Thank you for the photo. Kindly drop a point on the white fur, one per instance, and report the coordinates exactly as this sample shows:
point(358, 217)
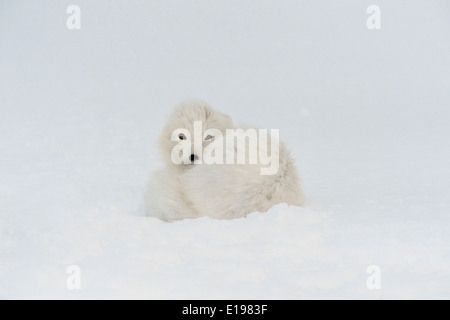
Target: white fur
point(219, 191)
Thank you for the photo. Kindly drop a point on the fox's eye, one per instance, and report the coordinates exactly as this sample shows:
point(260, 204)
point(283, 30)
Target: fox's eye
point(181, 136)
point(208, 137)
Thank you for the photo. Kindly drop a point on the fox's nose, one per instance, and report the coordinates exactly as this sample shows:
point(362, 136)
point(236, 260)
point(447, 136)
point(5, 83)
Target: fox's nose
point(194, 157)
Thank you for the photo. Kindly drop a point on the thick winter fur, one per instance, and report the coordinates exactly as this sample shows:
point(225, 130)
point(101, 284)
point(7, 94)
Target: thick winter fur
point(222, 191)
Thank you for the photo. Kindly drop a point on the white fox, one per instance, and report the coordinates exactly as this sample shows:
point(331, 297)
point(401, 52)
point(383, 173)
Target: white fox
point(192, 189)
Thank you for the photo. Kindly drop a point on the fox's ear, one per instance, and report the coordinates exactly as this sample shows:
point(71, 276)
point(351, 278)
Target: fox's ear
point(225, 118)
point(208, 113)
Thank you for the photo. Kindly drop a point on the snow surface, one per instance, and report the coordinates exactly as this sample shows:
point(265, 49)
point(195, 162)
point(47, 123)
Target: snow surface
point(365, 112)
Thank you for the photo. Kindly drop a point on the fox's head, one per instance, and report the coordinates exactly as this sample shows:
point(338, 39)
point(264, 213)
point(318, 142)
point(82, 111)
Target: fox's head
point(179, 130)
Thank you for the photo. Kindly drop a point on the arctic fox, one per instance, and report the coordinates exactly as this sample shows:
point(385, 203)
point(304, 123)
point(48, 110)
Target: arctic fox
point(202, 177)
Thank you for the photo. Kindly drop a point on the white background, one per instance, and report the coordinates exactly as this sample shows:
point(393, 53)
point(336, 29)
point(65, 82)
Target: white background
point(365, 113)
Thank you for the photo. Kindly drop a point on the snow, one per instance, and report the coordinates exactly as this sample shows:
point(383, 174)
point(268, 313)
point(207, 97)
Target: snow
point(365, 113)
